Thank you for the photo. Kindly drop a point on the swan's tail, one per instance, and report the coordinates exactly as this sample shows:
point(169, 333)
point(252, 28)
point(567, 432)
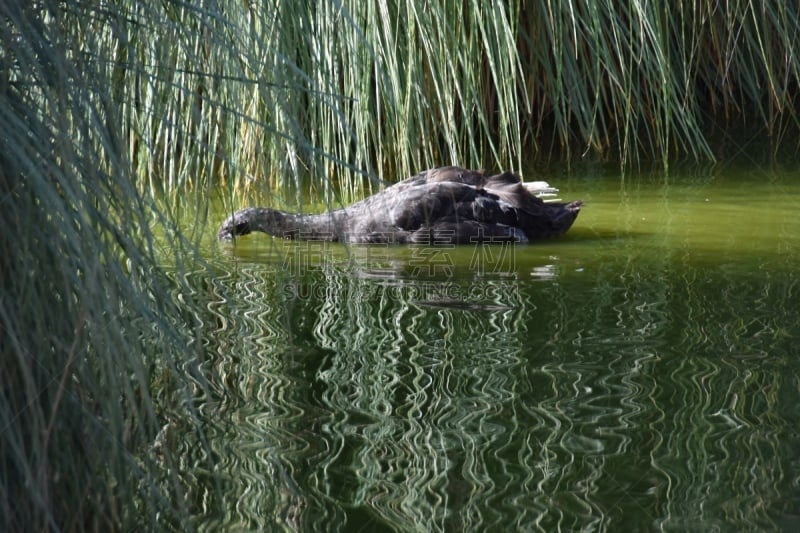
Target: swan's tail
point(563, 215)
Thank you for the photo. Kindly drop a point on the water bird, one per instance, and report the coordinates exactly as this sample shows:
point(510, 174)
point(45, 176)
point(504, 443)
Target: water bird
point(446, 205)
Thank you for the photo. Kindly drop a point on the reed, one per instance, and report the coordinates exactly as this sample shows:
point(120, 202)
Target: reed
point(95, 353)
point(113, 114)
point(288, 95)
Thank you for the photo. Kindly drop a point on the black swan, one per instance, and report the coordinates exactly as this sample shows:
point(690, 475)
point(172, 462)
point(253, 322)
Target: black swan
point(448, 205)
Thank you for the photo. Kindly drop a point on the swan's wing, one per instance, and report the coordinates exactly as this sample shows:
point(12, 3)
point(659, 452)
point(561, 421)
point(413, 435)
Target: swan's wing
point(413, 207)
point(512, 189)
point(476, 178)
point(542, 189)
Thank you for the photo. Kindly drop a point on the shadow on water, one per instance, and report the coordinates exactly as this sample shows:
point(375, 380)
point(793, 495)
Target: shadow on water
point(639, 374)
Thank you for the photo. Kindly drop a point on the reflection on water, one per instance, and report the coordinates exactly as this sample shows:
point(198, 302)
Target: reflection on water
point(640, 374)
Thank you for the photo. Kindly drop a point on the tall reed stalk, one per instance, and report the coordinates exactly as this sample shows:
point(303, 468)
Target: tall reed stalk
point(281, 93)
point(285, 94)
point(111, 112)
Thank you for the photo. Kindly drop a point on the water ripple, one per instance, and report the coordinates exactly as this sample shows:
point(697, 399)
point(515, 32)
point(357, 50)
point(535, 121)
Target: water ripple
point(617, 395)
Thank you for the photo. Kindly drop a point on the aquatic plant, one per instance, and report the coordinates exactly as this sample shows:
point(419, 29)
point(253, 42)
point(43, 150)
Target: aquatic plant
point(291, 95)
point(95, 354)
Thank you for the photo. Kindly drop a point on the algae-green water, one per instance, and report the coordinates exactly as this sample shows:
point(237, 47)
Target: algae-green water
point(639, 374)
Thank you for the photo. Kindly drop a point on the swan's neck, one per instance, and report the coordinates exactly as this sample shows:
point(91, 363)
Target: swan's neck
point(323, 227)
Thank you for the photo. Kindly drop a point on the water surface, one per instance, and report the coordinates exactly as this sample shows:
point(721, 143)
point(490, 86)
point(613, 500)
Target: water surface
point(639, 374)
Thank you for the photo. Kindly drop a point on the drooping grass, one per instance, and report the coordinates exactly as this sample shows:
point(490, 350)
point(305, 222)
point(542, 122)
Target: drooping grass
point(89, 333)
point(105, 106)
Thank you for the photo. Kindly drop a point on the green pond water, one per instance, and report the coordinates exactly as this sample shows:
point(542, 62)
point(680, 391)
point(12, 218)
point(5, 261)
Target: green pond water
point(639, 374)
